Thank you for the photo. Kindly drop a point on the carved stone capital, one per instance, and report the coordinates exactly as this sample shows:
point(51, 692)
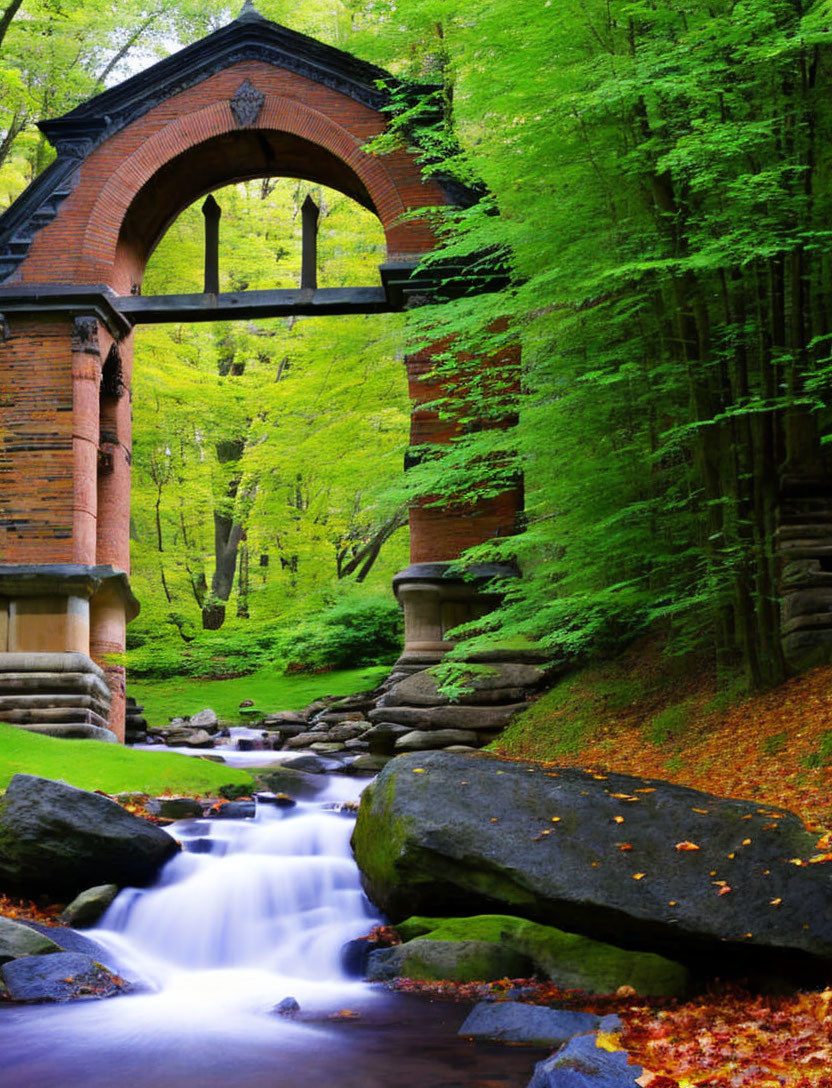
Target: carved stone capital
point(85, 335)
point(247, 104)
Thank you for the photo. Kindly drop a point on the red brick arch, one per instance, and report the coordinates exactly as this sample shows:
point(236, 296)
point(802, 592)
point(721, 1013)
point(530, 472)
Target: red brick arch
point(129, 162)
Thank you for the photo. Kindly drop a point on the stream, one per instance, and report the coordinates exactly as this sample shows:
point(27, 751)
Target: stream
point(251, 912)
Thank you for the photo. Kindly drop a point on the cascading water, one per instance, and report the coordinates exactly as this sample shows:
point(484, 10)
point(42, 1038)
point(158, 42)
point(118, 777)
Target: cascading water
point(251, 912)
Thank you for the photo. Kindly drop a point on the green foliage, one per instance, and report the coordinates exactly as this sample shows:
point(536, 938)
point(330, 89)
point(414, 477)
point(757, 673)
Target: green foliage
point(347, 636)
point(771, 745)
point(94, 765)
point(671, 723)
point(822, 755)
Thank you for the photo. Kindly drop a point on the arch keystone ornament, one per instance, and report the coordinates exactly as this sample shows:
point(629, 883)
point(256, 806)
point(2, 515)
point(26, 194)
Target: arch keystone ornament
point(253, 99)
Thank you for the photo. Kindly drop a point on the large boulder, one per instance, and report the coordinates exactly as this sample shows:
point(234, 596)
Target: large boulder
point(567, 959)
point(638, 863)
point(499, 683)
point(60, 840)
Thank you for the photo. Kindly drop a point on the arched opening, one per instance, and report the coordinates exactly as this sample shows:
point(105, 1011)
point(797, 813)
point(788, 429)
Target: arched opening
point(263, 450)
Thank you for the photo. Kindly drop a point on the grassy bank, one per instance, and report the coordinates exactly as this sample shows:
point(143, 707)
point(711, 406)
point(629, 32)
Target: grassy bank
point(647, 714)
point(271, 691)
point(111, 768)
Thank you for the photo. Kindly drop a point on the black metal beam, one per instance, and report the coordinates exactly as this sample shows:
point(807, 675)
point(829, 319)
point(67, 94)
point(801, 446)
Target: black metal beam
point(161, 309)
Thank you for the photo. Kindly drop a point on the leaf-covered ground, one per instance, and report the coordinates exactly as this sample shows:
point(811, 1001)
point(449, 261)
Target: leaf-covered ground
point(646, 714)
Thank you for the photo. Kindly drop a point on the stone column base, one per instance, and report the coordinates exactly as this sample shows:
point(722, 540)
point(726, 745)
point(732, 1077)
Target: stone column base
point(59, 694)
point(434, 602)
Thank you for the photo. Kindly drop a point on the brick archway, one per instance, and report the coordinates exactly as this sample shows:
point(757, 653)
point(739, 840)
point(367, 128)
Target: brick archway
point(251, 100)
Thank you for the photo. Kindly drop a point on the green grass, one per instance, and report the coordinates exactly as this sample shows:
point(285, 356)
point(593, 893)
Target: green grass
point(671, 723)
point(271, 691)
point(94, 765)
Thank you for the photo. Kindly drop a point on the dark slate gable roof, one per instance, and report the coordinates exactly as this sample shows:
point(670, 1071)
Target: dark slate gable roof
point(249, 37)
point(77, 133)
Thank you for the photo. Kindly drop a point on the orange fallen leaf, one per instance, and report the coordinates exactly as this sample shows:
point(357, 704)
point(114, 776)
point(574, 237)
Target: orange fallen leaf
point(746, 842)
point(624, 846)
point(618, 819)
point(639, 876)
point(775, 902)
point(556, 819)
point(723, 891)
point(684, 846)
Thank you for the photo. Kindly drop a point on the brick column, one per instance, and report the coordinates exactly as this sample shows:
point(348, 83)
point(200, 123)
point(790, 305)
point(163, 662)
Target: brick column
point(86, 378)
point(108, 619)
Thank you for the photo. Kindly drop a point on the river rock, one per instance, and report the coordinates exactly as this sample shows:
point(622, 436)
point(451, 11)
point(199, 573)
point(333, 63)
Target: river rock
point(235, 810)
point(17, 940)
point(86, 908)
point(278, 778)
point(462, 961)
point(347, 731)
point(303, 740)
point(205, 719)
point(383, 736)
point(516, 1022)
point(198, 738)
point(175, 808)
point(581, 1063)
point(423, 741)
point(366, 763)
point(503, 683)
point(313, 764)
point(356, 745)
point(627, 860)
point(61, 840)
point(327, 746)
point(61, 976)
point(337, 717)
point(287, 1007)
point(448, 717)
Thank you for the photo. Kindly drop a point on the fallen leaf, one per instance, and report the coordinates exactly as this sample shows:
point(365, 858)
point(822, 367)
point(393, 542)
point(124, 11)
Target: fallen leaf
point(775, 902)
point(618, 819)
point(556, 819)
point(639, 876)
point(746, 842)
point(724, 891)
point(684, 846)
point(624, 846)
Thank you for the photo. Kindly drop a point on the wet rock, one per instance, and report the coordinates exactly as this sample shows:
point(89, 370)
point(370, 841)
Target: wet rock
point(423, 741)
point(582, 1064)
point(325, 746)
point(462, 961)
point(282, 800)
point(61, 840)
point(174, 808)
point(383, 736)
point(286, 718)
point(205, 719)
point(515, 1022)
point(235, 810)
point(546, 844)
point(61, 976)
point(367, 763)
point(86, 908)
point(313, 764)
point(356, 745)
point(198, 738)
point(448, 717)
point(287, 1007)
point(278, 778)
point(17, 940)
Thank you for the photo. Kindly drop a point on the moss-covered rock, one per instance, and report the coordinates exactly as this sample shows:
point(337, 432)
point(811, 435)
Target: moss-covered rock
point(19, 940)
point(460, 960)
point(635, 862)
point(569, 960)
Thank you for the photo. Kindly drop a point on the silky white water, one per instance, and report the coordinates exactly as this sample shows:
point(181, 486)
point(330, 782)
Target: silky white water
point(251, 912)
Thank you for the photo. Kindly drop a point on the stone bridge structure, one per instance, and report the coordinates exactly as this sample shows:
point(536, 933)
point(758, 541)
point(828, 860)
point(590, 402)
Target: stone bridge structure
point(251, 100)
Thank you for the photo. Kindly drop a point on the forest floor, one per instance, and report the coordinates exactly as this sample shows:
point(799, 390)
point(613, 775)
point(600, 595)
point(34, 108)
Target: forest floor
point(651, 715)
